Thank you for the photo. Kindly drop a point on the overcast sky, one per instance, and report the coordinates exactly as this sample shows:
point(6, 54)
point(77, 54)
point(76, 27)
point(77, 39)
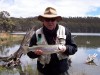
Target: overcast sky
point(65, 8)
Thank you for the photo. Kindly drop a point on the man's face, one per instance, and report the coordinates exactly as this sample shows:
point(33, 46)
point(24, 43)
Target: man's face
point(50, 23)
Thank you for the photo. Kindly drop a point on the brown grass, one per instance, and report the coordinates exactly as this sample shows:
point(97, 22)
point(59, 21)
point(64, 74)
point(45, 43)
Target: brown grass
point(5, 37)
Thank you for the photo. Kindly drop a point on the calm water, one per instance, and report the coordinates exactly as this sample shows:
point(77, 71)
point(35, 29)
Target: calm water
point(86, 45)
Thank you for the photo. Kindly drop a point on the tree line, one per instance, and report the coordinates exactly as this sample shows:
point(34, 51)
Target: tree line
point(74, 24)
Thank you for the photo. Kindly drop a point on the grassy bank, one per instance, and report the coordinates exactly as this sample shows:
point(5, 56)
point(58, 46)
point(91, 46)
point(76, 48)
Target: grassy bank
point(6, 37)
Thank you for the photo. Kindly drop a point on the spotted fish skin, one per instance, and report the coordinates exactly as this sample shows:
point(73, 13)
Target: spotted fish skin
point(47, 49)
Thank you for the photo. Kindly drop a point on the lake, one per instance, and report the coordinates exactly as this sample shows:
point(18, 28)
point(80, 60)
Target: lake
point(87, 44)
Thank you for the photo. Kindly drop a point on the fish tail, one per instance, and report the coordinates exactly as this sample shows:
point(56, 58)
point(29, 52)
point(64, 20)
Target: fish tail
point(25, 48)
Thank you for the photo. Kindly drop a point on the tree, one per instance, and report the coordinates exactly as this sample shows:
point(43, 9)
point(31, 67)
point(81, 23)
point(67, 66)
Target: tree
point(4, 14)
point(5, 21)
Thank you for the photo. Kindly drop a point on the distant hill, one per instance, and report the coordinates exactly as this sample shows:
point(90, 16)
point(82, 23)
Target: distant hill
point(74, 24)
point(82, 24)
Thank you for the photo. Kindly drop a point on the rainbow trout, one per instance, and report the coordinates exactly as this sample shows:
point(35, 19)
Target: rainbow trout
point(47, 49)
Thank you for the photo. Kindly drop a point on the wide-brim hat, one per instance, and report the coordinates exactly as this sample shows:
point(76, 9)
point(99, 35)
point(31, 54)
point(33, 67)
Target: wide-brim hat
point(49, 13)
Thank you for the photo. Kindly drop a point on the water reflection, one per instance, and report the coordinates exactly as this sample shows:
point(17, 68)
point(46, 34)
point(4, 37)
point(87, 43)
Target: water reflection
point(83, 53)
point(6, 51)
point(88, 41)
point(86, 45)
point(78, 62)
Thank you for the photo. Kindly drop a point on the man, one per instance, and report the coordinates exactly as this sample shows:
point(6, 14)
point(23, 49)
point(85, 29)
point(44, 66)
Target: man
point(50, 34)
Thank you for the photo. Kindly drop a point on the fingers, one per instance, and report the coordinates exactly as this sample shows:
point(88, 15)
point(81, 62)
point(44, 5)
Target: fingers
point(38, 52)
point(62, 48)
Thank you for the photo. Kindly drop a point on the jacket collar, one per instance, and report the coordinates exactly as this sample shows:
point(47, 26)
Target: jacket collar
point(50, 32)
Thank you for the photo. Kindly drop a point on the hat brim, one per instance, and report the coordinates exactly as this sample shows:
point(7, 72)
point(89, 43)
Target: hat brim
point(41, 17)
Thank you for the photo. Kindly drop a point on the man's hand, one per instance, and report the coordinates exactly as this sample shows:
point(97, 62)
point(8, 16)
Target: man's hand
point(62, 48)
point(38, 52)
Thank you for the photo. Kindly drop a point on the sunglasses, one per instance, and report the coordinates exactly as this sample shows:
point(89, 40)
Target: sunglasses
point(49, 19)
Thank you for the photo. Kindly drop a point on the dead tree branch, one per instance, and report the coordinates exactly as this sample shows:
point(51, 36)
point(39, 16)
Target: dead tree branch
point(14, 58)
